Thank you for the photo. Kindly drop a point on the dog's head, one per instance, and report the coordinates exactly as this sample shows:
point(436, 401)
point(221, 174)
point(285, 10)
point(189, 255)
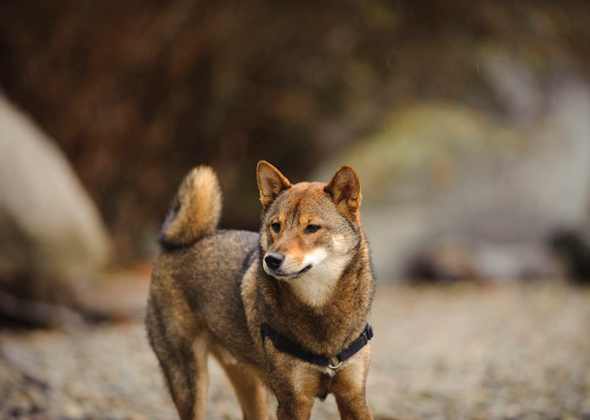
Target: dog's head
point(309, 231)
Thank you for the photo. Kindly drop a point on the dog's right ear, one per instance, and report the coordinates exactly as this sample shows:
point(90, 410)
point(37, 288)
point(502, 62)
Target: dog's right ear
point(270, 182)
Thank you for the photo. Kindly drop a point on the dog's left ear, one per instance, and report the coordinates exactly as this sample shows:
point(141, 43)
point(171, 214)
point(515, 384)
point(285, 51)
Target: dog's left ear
point(345, 189)
point(270, 182)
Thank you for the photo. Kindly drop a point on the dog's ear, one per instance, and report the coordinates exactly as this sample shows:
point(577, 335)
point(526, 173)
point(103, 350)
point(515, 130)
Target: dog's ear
point(345, 189)
point(270, 182)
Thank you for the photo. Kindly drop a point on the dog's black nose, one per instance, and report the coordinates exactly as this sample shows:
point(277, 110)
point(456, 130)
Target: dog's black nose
point(274, 260)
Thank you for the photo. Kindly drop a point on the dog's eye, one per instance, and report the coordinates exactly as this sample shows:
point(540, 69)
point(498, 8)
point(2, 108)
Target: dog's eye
point(276, 227)
point(312, 228)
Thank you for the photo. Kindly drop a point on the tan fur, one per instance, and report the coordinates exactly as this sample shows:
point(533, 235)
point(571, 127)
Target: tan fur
point(201, 351)
point(211, 291)
point(199, 200)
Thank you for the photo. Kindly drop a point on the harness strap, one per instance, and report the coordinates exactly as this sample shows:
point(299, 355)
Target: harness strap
point(286, 345)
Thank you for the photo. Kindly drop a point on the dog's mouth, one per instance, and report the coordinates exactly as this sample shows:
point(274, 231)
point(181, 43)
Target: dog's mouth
point(304, 270)
point(289, 276)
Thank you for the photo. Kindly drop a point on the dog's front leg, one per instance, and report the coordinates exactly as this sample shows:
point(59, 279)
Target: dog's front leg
point(293, 408)
point(349, 388)
point(295, 392)
point(353, 407)
point(294, 383)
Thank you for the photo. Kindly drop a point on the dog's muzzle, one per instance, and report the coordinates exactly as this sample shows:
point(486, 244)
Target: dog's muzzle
point(274, 260)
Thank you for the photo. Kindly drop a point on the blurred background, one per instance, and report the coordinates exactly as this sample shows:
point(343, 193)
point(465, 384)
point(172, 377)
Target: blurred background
point(468, 123)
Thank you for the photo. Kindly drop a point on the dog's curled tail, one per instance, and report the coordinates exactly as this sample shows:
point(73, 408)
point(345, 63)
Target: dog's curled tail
point(195, 211)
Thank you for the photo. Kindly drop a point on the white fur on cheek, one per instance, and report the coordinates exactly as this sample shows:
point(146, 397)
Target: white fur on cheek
point(316, 286)
point(314, 258)
point(340, 245)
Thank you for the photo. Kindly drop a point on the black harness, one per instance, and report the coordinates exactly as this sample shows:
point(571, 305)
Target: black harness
point(285, 345)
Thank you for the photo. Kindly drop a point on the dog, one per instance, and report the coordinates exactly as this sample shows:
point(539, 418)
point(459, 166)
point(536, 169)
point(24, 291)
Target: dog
point(283, 311)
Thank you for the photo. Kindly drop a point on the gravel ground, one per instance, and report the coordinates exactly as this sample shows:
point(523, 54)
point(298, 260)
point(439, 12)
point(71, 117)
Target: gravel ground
point(456, 352)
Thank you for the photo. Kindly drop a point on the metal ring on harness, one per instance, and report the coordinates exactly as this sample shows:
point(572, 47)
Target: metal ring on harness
point(331, 366)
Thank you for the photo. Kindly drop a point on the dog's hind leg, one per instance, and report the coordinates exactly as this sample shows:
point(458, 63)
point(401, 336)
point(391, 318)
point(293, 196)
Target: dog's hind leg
point(188, 379)
point(182, 351)
point(201, 385)
point(252, 395)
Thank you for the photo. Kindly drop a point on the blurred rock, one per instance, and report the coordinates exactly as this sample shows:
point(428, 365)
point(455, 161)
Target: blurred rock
point(51, 230)
point(573, 248)
point(47, 220)
point(450, 259)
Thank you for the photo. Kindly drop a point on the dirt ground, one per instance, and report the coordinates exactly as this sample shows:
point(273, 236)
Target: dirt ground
point(466, 351)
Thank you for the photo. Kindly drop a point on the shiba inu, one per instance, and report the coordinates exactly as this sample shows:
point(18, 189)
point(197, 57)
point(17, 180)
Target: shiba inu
point(283, 311)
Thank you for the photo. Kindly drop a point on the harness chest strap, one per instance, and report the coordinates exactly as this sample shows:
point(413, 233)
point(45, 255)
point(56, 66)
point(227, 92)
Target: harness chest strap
point(286, 345)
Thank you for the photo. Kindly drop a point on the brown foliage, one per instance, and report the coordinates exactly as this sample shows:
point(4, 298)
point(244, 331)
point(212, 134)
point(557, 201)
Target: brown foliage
point(138, 92)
